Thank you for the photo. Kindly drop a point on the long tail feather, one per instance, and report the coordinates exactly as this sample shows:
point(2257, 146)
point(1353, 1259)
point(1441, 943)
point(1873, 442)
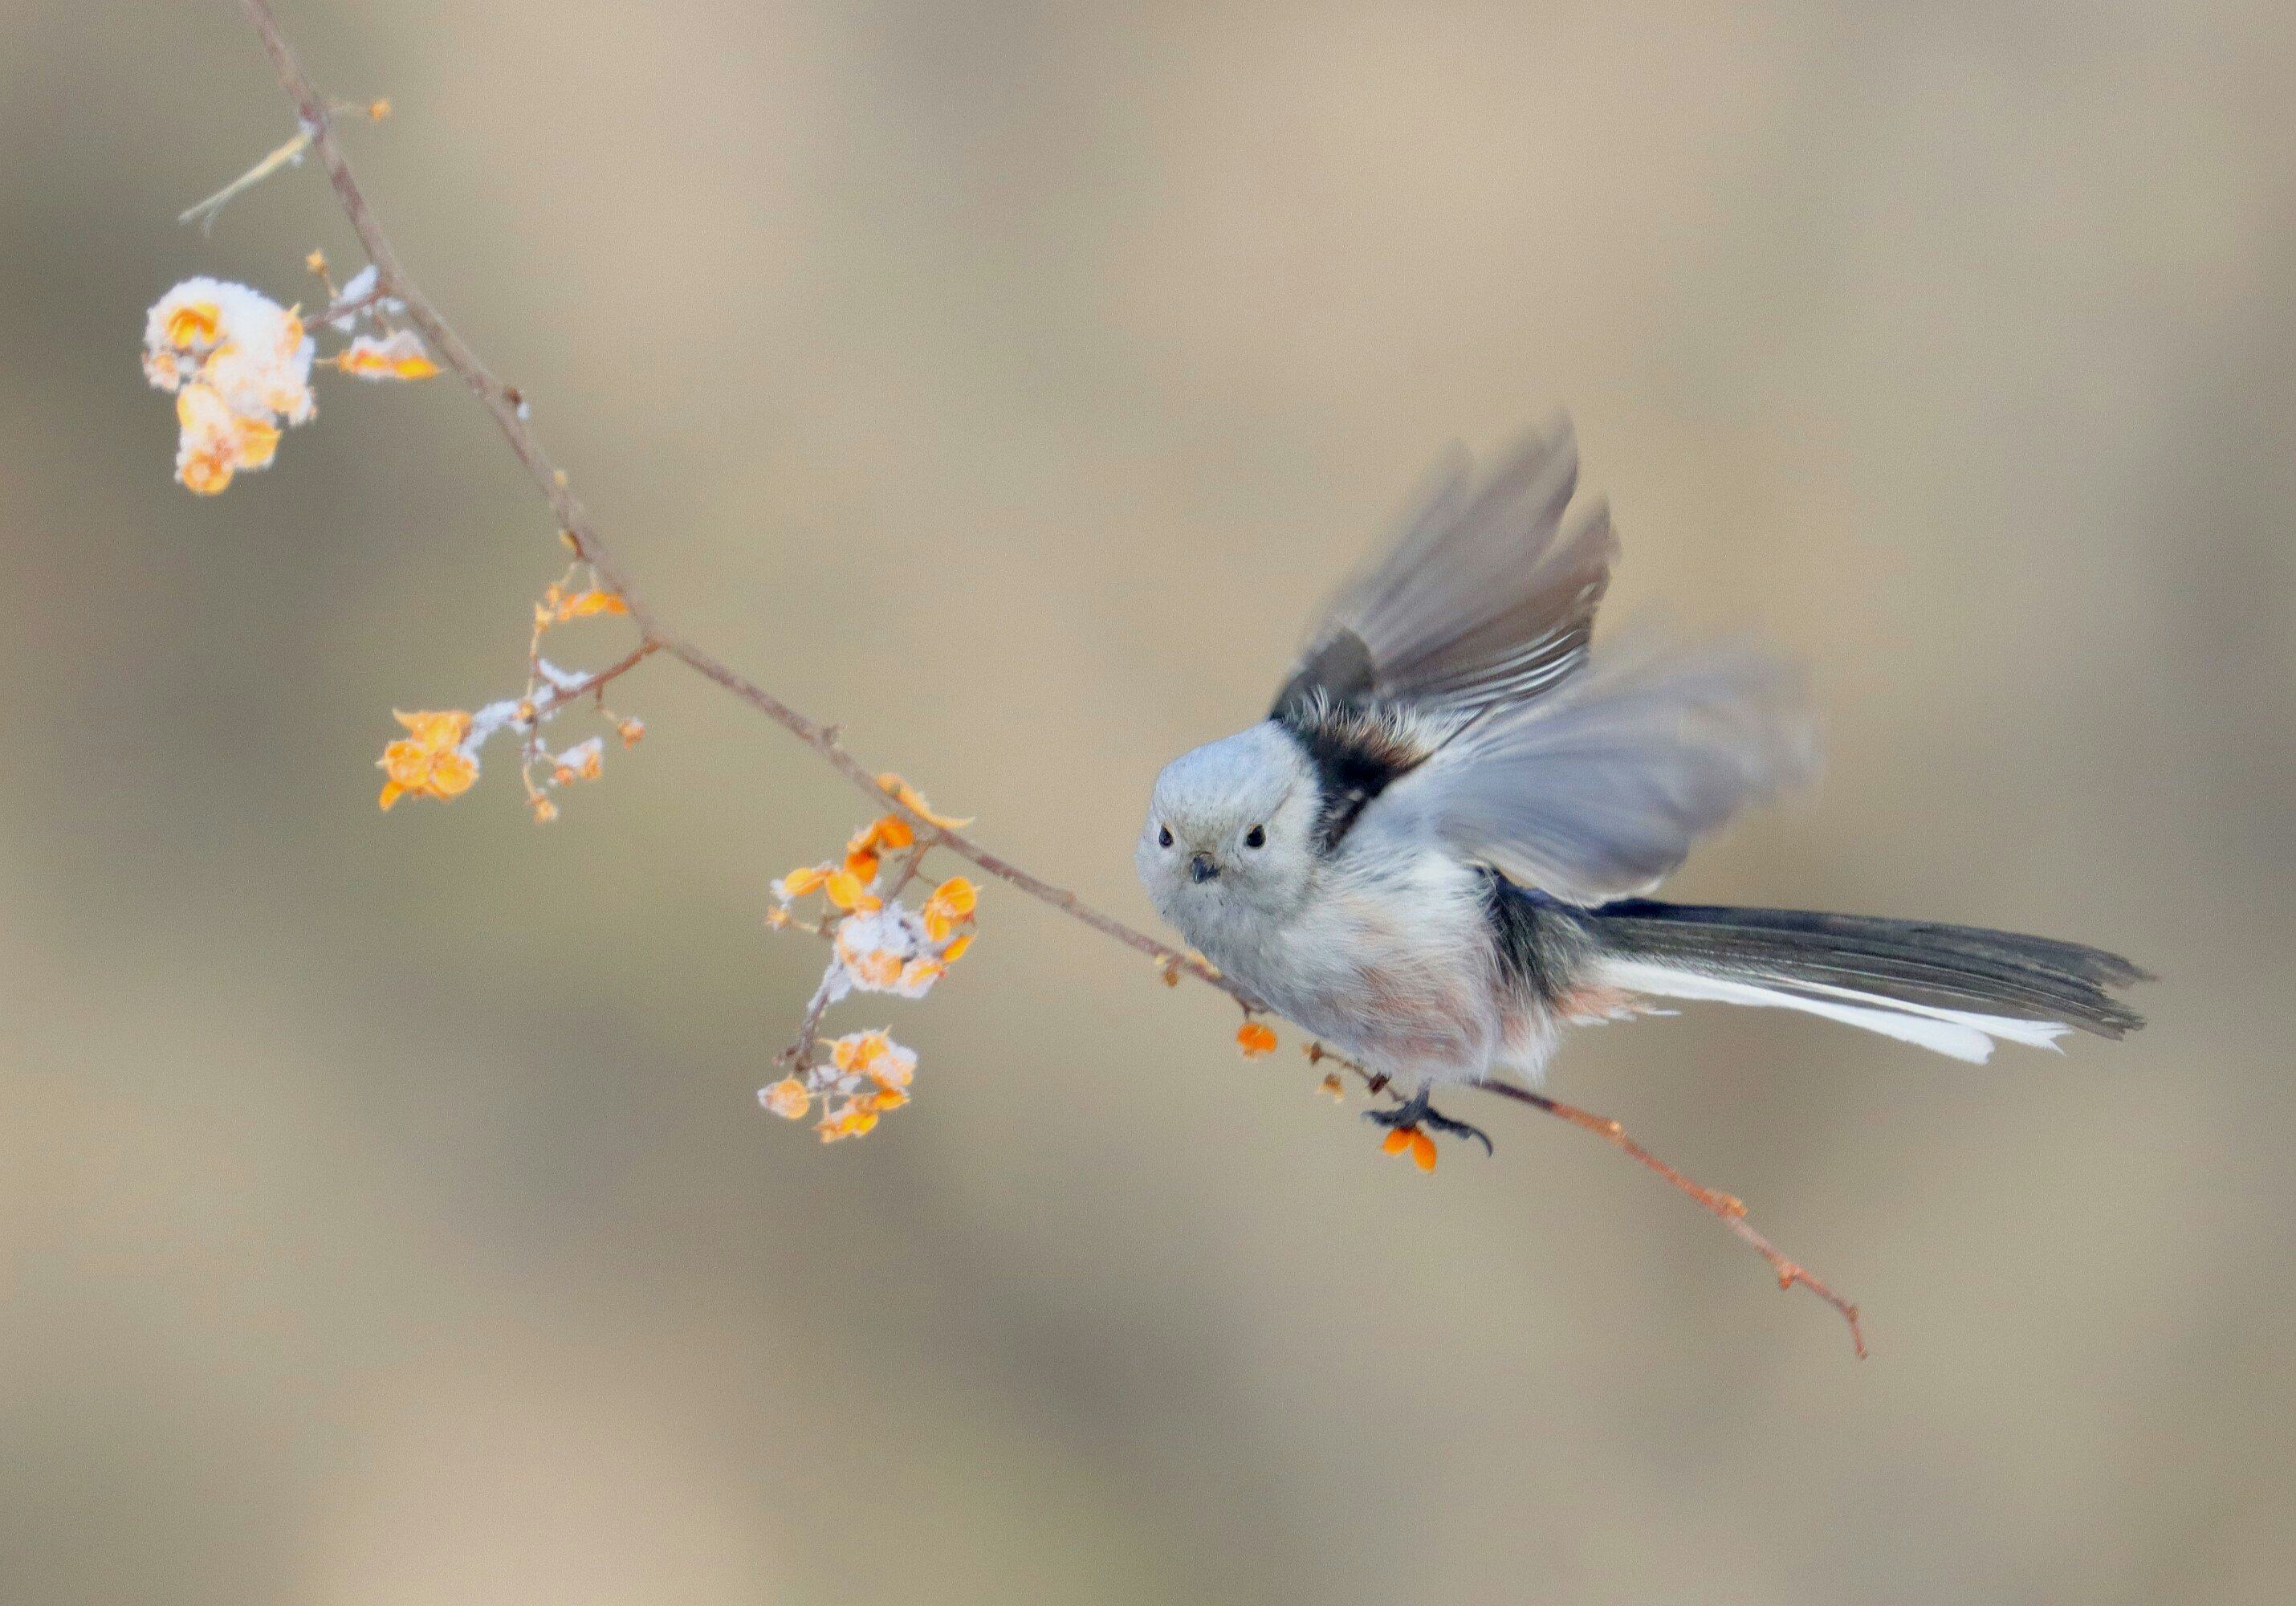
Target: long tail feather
point(1954, 989)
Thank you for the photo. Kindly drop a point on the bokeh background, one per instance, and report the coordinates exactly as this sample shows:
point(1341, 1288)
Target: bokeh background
point(385, 1215)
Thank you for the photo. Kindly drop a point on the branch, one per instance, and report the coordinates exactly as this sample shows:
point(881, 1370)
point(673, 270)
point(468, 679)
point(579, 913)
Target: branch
point(506, 406)
point(1729, 1209)
point(503, 402)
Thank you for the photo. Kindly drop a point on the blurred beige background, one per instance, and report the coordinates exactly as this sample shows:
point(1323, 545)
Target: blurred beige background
point(385, 1215)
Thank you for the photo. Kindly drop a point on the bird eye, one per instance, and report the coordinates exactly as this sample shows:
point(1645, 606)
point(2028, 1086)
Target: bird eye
point(1256, 837)
point(1164, 837)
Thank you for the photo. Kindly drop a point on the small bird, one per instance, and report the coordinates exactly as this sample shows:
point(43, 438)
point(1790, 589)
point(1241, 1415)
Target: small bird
point(1432, 852)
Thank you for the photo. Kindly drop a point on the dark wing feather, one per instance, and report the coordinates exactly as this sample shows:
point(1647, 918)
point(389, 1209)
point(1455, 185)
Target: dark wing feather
point(1484, 598)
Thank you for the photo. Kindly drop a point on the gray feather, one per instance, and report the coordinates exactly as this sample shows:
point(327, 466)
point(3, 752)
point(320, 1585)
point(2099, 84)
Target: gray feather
point(1597, 790)
point(1483, 598)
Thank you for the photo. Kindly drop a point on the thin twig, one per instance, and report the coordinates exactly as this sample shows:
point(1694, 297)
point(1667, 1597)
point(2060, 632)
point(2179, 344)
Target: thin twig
point(357, 304)
point(552, 697)
point(799, 1055)
point(911, 864)
point(204, 212)
point(1727, 1208)
point(505, 404)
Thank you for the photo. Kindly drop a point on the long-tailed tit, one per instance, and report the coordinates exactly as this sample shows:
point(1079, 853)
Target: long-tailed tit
point(1431, 853)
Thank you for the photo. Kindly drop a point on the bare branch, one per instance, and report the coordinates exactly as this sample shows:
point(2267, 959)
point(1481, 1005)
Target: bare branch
point(1730, 1210)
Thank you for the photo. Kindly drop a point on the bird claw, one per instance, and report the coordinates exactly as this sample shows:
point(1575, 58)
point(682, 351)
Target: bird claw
point(1415, 1111)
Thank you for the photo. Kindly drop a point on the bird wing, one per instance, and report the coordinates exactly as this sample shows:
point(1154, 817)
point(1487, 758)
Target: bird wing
point(1483, 599)
point(1596, 790)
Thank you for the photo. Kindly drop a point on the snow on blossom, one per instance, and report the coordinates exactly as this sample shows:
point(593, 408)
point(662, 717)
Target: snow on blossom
point(885, 950)
point(867, 1072)
point(876, 1055)
point(583, 761)
point(239, 365)
point(789, 1099)
point(399, 354)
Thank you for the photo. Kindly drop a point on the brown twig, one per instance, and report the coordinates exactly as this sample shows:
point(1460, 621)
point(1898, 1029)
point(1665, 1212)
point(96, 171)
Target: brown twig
point(799, 1055)
point(555, 699)
point(1726, 1208)
point(505, 405)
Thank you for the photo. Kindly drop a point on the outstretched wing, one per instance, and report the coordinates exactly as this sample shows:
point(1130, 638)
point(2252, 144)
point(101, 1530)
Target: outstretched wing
point(1597, 790)
point(1484, 599)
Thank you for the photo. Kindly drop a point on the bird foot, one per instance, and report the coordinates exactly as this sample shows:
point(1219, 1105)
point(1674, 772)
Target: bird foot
point(1416, 1112)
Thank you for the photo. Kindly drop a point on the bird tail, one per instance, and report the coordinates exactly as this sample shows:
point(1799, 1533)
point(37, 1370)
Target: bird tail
point(1956, 989)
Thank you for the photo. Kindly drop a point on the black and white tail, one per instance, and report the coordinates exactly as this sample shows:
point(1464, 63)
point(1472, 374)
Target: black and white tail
point(1956, 989)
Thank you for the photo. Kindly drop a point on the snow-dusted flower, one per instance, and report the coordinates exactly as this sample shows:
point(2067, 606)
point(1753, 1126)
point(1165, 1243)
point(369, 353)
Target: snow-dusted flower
point(789, 1099)
point(239, 365)
point(886, 949)
point(215, 442)
point(876, 1055)
point(583, 761)
point(399, 354)
point(868, 1075)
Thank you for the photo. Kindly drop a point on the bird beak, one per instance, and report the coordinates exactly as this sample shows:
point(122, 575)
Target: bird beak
point(1200, 868)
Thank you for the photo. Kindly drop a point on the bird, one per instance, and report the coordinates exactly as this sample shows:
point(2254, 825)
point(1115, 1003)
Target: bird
point(1435, 851)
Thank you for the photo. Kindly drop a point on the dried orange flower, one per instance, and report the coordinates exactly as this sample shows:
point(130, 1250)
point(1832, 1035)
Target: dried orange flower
point(1422, 1146)
point(914, 801)
point(956, 951)
point(631, 730)
point(1332, 1086)
point(852, 1120)
point(429, 760)
point(1255, 1039)
point(582, 605)
point(951, 905)
point(847, 891)
point(788, 1098)
point(804, 879)
point(863, 852)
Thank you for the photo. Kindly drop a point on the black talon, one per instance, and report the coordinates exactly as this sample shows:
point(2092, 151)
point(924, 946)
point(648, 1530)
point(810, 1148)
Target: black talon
point(1459, 1129)
point(1415, 1111)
